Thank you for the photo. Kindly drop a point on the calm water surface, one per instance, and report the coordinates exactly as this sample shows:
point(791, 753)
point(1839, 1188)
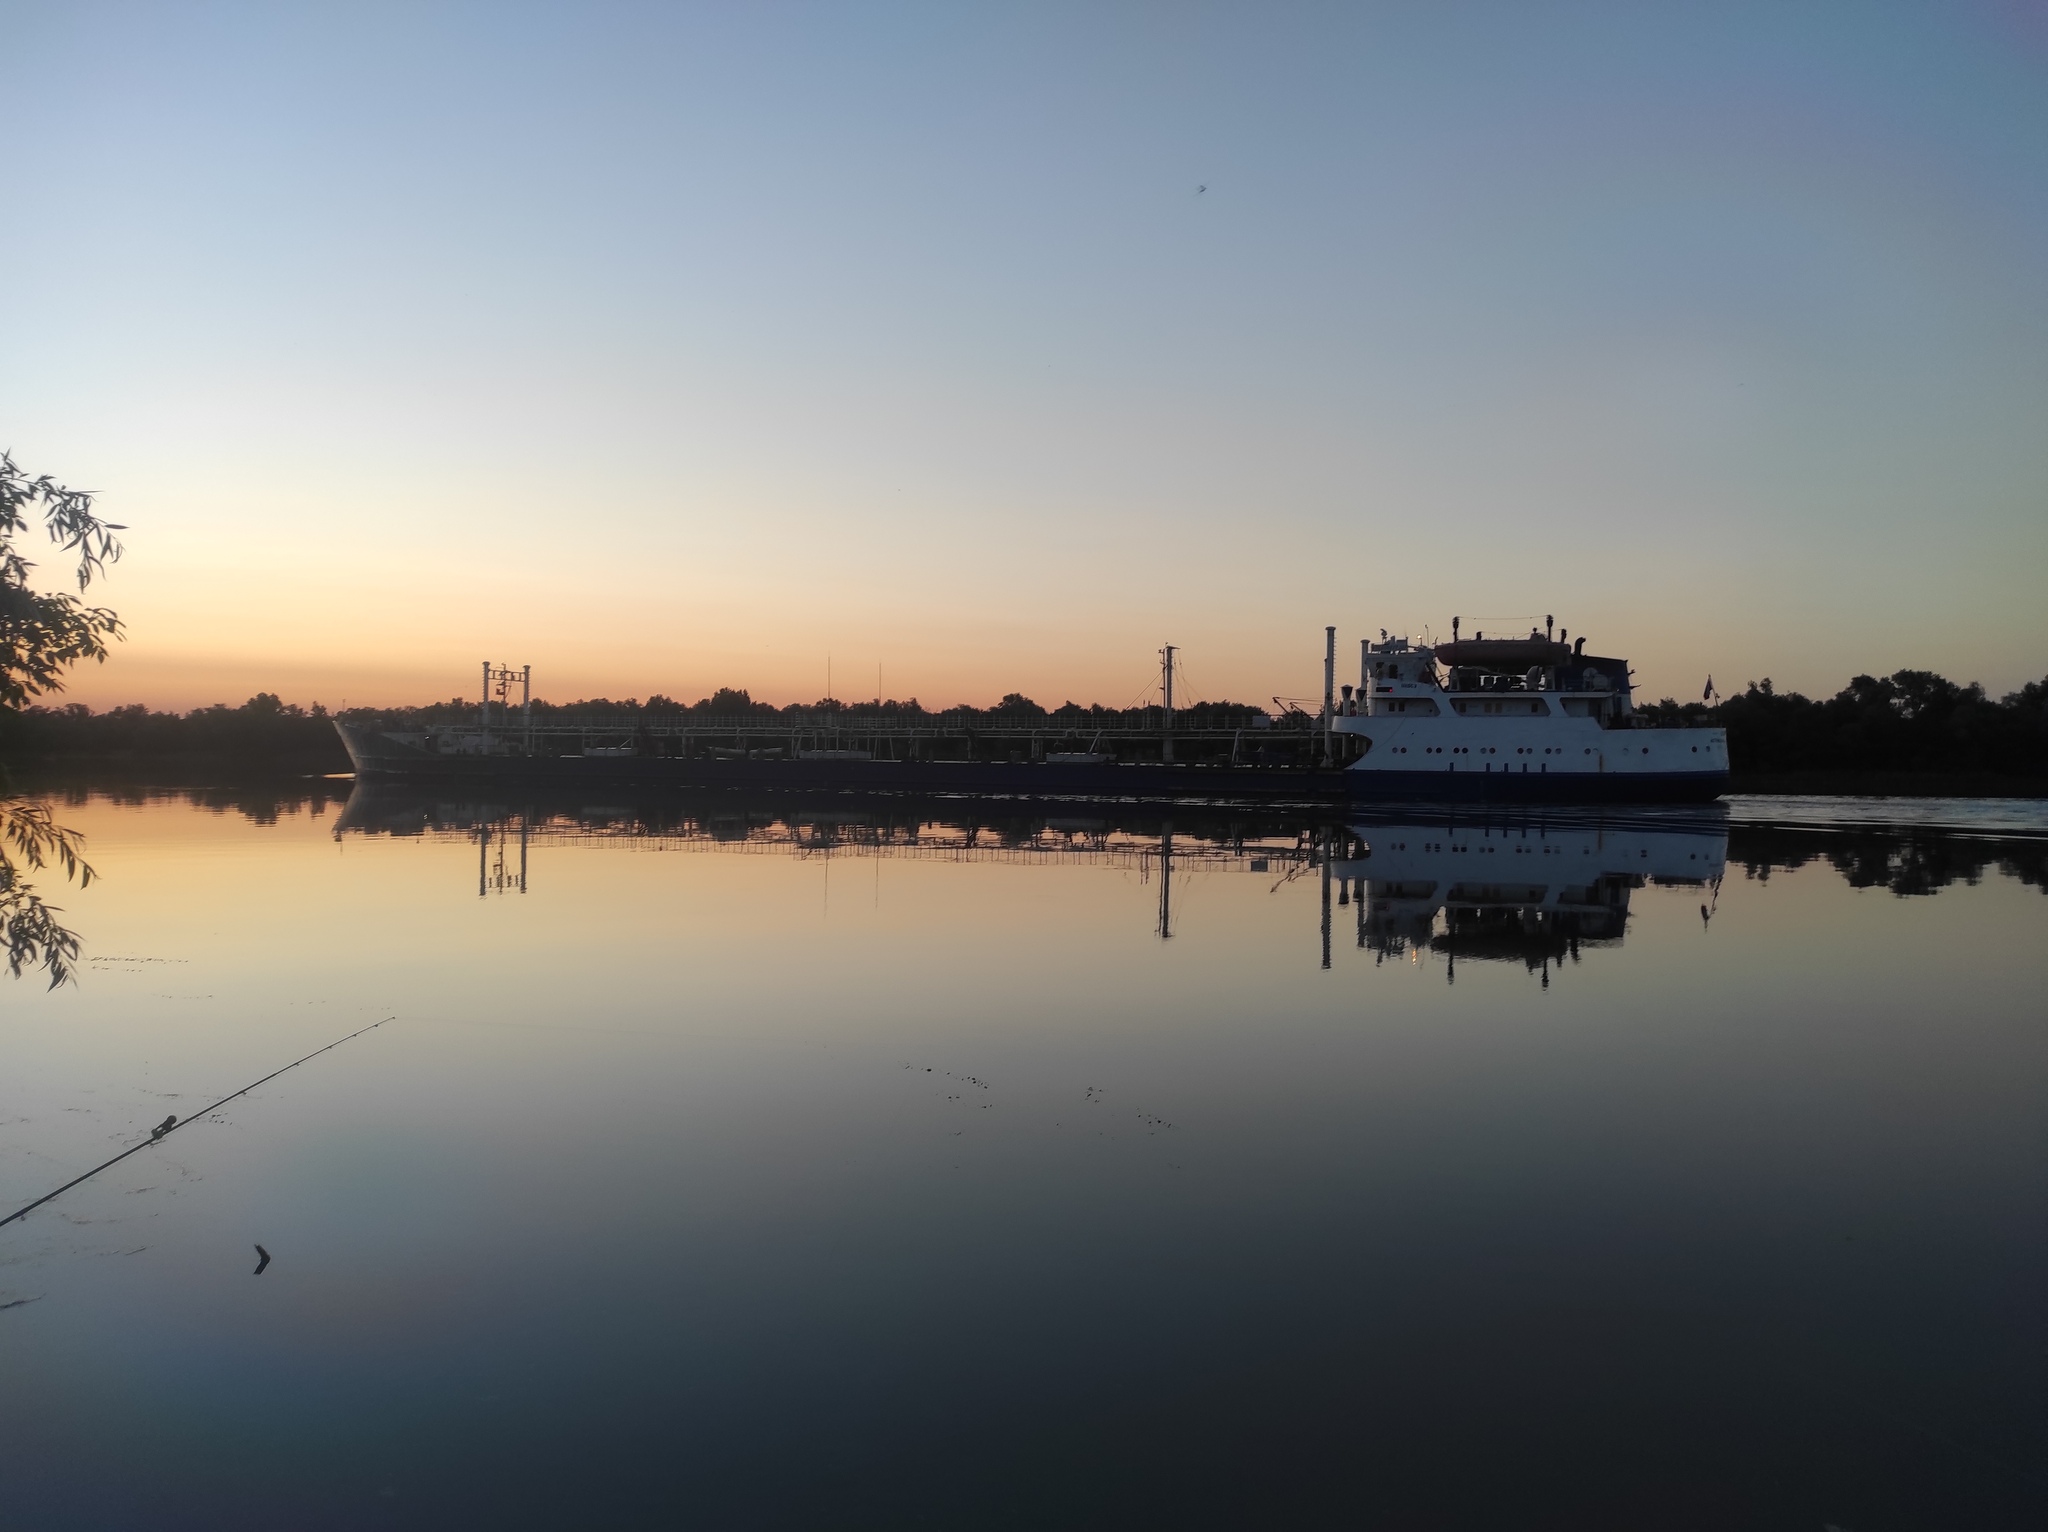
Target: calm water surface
point(732, 1166)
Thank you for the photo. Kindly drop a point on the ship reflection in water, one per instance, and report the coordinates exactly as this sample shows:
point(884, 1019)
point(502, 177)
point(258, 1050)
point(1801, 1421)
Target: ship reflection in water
point(1538, 887)
point(1534, 889)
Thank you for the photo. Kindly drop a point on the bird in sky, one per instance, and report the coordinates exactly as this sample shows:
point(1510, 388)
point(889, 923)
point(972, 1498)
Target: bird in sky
point(1200, 189)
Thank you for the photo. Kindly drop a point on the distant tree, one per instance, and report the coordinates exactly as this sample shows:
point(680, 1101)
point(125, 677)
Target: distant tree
point(881, 706)
point(43, 634)
point(1911, 720)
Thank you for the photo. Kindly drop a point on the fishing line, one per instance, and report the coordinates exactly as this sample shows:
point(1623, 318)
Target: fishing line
point(158, 1135)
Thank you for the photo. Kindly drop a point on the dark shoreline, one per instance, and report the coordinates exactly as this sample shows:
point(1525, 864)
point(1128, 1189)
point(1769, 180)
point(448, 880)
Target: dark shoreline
point(1885, 784)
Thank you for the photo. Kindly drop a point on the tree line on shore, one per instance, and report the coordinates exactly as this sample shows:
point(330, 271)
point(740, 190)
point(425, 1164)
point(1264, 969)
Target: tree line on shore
point(1911, 721)
point(268, 732)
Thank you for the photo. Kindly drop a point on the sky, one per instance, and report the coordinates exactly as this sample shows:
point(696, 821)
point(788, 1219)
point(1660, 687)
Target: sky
point(975, 349)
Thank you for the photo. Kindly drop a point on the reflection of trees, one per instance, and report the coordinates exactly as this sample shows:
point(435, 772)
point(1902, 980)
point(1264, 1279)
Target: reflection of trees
point(1907, 862)
point(32, 839)
point(263, 803)
point(822, 822)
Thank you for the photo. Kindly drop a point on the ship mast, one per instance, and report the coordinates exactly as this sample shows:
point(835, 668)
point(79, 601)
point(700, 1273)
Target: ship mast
point(1329, 693)
point(1166, 692)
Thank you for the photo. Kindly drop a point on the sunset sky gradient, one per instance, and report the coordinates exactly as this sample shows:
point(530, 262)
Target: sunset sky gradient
point(667, 347)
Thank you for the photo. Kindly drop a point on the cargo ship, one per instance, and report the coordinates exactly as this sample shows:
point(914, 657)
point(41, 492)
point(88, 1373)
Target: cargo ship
point(1533, 719)
point(1478, 720)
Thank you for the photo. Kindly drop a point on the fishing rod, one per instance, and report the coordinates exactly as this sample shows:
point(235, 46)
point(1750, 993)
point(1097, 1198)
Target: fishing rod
point(171, 1125)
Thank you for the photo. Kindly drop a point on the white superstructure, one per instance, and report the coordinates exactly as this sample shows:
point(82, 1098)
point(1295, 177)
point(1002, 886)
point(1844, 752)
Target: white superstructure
point(1533, 718)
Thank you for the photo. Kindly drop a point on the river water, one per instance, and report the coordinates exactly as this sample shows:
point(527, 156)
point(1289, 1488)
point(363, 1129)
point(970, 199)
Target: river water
point(737, 1165)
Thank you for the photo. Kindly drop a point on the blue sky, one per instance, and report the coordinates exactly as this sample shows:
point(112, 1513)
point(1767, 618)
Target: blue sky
point(666, 347)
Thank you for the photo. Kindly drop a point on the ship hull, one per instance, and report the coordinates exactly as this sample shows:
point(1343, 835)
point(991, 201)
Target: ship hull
point(377, 757)
point(1517, 787)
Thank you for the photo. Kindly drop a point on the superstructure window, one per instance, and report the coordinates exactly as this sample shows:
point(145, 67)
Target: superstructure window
point(1517, 707)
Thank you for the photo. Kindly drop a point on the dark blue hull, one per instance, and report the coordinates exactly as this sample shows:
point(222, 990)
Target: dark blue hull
point(1534, 787)
point(1140, 783)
